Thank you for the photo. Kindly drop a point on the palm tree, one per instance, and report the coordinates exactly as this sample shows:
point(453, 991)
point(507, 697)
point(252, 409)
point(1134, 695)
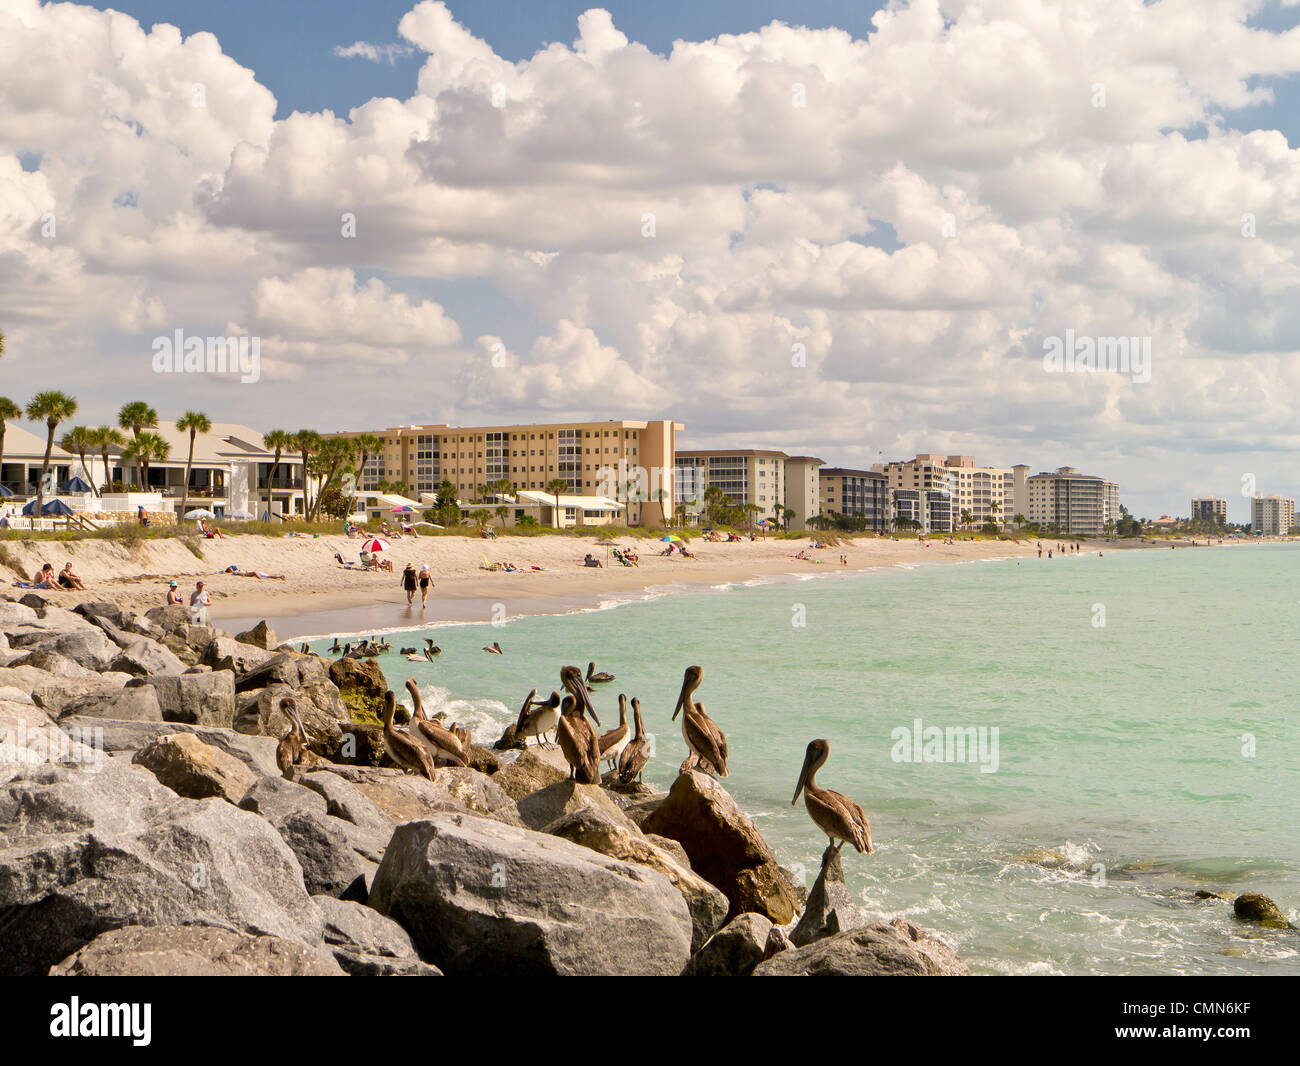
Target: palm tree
point(79, 440)
point(557, 487)
point(966, 518)
point(193, 423)
point(368, 446)
point(335, 454)
point(307, 442)
point(136, 416)
point(145, 449)
point(9, 411)
point(994, 508)
point(103, 438)
point(278, 441)
point(787, 513)
point(501, 513)
point(50, 407)
point(448, 510)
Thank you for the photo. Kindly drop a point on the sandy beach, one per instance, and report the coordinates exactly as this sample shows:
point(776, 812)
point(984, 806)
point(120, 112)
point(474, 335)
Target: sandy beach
point(136, 575)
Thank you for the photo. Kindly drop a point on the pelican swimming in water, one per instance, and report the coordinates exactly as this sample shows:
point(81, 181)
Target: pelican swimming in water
point(577, 738)
point(293, 745)
point(537, 717)
point(835, 815)
point(408, 753)
point(441, 742)
point(335, 649)
point(613, 742)
point(594, 678)
point(431, 649)
point(494, 648)
point(707, 743)
point(637, 751)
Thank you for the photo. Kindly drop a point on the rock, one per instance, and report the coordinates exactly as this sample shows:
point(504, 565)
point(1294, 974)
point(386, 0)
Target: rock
point(533, 770)
point(224, 653)
point(407, 797)
point(479, 793)
point(367, 944)
point(257, 753)
point(482, 759)
point(191, 768)
point(724, 846)
point(260, 636)
point(52, 663)
point(86, 646)
point(541, 808)
point(735, 949)
point(344, 800)
point(361, 684)
point(595, 829)
point(275, 798)
point(34, 601)
point(885, 949)
point(480, 897)
point(29, 737)
point(324, 851)
point(642, 810)
point(13, 615)
point(1258, 908)
point(830, 908)
point(133, 703)
point(198, 699)
point(258, 714)
point(95, 851)
point(55, 693)
point(147, 658)
point(102, 611)
point(508, 741)
point(777, 941)
point(1205, 893)
point(168, 616)
point(672, 847)
point(193, 951)
point(30, 678)
point(280, 669)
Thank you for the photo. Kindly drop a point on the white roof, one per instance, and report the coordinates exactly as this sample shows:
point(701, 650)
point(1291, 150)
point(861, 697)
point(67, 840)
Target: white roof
point(587, 503)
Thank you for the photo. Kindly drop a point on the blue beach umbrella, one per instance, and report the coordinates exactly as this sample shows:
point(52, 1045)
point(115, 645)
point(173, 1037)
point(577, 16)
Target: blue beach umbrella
point(74, 484)
point(54, 507)
point(5, 493)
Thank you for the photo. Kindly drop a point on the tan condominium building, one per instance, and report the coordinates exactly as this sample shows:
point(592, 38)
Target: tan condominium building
point(802, 490)
point(1212, 510)
point(861, 494)
point(1271, 515)
point(975, 494)
point(1071, 502)
point(624, 460)
point(751, 478)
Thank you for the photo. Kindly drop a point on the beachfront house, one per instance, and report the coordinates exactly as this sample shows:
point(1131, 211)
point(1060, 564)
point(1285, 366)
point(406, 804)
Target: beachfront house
point(542, 509)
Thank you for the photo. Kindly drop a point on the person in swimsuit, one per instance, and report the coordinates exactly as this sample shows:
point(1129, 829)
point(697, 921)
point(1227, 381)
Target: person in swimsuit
point(408, 583)
point(426, 583)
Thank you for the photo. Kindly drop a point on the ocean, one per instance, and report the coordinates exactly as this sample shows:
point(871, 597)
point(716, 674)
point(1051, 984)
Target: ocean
point(1131, 729)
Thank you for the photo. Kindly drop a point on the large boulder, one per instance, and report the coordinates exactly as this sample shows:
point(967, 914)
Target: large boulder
point(407, 797)
point(735, 949)
point(324, 851)
point(85, 645)
point(55, 693)
point(131, 703)
point(724, 846)
point(147, 658)
point(260, 636)
point(366, 944)
point(53, 663)
point(168, 616)
point(258, 713)
point(535, 768)
point(345, 800)
point(361, 684)
point(595, 829)
point(539, 809)
point(830, 908)
point(885, 949)
point(191, 768)
point(226, 653)
point(1260, 909)
point(275, 798)
point(95, 851)
point(482, 898)
point(479, 793)
point(199, 699)
point(257, 753)
point(193, 951)
point(13, 615)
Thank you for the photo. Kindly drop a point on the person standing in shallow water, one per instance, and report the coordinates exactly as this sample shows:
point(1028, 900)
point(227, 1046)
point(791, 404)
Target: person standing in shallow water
point(408, 583)
point(426, 583)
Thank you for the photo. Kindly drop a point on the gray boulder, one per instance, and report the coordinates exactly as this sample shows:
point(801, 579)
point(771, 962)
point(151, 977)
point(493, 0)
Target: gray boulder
point(344, 800)
point(131, 703)
point(260, 636)
point(541, 808)
point(147, 658)
point(275, 798)
point(366, 944)
point(199, 699)
point(830, 908)
point(193, 951)
point(480, 897)
point(735, 949)
point(53, 694)
point(885, 949)
point(113, 736)
point(191, 768)
point(324, 851)
point(225, 653)
point(54, 663)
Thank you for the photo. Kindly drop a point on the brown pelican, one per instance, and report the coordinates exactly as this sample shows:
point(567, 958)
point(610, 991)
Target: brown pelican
point(409, 754)
point(409, 651)
point(335, 649)
point(431, 649)
point(577, 738)
point(441, 742)
point(537, 717)
point(637, 752)
point(347, 650)
point(304, 649)
point(613, 742)
point(462, 732)
point(707, 743)
point(494, 648)
point(594, 678)
point(835, 815)
point(293, 745)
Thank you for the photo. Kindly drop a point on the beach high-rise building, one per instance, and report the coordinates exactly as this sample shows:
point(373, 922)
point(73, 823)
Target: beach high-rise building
point(1212, 510)
point(1075, 503)
point(802, 490)
point(1272, 515)
point(858, 494)
point(749, 477)
point(941, 492)
point(626, 460)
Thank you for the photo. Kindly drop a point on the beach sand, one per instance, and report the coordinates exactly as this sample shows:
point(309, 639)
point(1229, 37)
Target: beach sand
point(136, 575)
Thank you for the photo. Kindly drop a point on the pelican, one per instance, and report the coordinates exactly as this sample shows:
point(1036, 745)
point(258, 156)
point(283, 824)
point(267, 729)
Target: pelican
point(494, 648)
point(347, 650)
point(293, 745)
point(335, 649)
point(462, 732)
point(441, 742)
point(304, 649)
point(409, 754)
point(537, 717)
point(707, 743)
point(637, 752)
point(410, 651)
point(594, 678)
point(431, 649)
point(577, 738)
point(613, 742)
point(835, 815)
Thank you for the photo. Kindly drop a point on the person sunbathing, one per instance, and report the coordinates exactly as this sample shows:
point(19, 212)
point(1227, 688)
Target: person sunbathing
point(69, 580)
point(210, 532)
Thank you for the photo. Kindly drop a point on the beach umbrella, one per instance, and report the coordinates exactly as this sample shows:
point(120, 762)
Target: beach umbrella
point(199, 512)
point(74, 484)
point(671, 536)
point(400, 510)
point(239, 514)
point(5, 493)
point(53, 507)
point(376, 544)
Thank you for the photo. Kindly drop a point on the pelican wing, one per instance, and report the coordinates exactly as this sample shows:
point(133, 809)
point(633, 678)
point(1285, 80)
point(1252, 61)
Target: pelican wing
point(408, 753)
point(608, 740)
point(447, 743)
point(706, 740)
point(838, 816)
point(580, 747)
point(633, 760)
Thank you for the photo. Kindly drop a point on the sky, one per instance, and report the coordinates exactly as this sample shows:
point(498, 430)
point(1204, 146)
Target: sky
point(853, 230)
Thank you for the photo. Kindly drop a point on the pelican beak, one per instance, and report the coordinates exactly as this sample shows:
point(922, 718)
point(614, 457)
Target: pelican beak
point(584, 695)
point(803, 780)
point(681, 699)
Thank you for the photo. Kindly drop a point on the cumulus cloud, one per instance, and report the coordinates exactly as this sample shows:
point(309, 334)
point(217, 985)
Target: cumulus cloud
point(376, 53)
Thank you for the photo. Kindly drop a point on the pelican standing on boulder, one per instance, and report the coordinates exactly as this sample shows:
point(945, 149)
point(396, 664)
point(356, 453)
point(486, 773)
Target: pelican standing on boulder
point(637, 752)
point(613, 742)
point(835, 815)
point(440, 741)
point(577, 739)
point(707, 743)
point(594, 678)
point(537, 717)
point(410, 754)
point(293, 745)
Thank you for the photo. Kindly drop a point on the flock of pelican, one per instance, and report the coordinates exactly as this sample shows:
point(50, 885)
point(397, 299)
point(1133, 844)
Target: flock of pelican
point(424, 744)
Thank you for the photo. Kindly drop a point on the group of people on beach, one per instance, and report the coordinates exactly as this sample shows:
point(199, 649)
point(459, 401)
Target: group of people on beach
point(413, 581)
point(46, 578)
point(1061, 549)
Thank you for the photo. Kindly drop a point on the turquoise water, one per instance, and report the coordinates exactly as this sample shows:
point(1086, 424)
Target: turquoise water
point(1122, 782)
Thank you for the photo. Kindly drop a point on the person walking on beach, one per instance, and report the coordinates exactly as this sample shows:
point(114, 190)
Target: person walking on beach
point(408, 583)
point(426, 583)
